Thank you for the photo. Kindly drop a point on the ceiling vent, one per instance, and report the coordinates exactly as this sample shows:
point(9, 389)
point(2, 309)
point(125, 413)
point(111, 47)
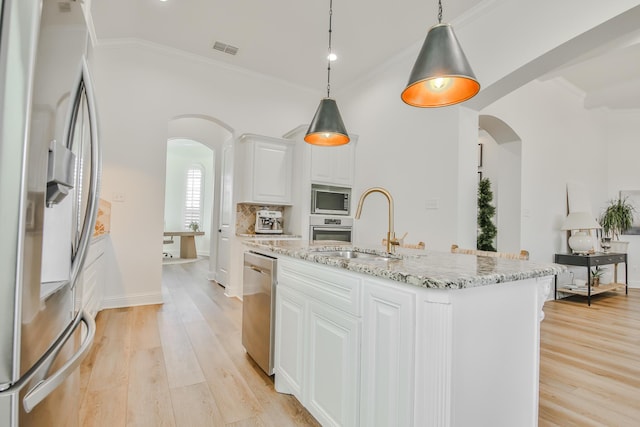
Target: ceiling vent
point(226, 48)
point(64, 7)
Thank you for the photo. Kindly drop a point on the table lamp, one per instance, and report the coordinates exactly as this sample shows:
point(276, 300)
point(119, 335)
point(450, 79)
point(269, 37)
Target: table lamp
point(580, 223)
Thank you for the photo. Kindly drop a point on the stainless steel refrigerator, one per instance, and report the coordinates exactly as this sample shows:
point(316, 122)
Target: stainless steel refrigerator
point(49, 181)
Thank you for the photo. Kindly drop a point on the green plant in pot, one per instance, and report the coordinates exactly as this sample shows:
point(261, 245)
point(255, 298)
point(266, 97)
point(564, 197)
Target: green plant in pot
point(596, 275)
point(616, 219)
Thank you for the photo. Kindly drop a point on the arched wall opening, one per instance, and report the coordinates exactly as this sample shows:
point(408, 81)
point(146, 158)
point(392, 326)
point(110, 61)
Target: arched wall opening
point(211, 133)
point(502, 165)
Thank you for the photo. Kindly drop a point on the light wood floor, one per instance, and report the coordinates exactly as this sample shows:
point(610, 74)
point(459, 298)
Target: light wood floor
point(182, 363)
point(590, 361)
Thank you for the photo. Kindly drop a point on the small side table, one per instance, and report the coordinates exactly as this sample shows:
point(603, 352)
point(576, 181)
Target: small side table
point(594, 260)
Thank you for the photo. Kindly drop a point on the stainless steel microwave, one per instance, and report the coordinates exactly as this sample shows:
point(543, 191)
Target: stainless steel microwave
point(327, 200)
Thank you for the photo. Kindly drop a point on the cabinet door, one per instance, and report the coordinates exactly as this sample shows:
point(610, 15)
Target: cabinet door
point(289, 341)
point(331, 393)
point(344, 164)
point(388, 357)
point(333, 165)
point(321, 167)
point(272, 172)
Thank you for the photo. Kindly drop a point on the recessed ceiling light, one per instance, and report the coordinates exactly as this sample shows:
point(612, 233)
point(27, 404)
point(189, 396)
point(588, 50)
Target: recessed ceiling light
point(332, 57)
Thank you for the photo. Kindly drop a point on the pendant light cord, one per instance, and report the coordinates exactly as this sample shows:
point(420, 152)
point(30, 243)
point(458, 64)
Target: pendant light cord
point(439, 11)
point(329, 56)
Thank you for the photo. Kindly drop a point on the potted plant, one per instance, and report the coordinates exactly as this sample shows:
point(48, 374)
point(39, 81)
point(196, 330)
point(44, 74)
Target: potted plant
point(616, 219)
point(596, 276)
point(194, 226)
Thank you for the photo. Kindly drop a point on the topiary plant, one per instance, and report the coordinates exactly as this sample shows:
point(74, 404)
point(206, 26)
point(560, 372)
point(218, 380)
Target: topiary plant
point(486, 211)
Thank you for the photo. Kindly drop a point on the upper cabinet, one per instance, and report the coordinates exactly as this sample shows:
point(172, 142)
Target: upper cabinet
point(266, 166)
point(333, 165)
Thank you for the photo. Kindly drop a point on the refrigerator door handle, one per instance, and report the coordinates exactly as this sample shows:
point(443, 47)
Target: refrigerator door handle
point(46, 386)
point(96, 164)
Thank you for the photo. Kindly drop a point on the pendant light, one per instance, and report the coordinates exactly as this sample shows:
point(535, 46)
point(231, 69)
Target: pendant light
point(441, 75)
point(327, 127)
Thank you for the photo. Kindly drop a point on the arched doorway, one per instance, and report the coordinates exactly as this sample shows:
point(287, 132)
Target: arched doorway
point(213, 134)
point(502, 164)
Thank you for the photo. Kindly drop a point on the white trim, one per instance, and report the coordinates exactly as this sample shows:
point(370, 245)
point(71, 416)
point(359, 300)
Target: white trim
point(634, 283)
point(132, 300)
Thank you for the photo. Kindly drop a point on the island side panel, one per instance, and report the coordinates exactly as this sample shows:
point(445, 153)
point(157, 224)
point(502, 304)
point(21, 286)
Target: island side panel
point(433, 362)
point(496, 354)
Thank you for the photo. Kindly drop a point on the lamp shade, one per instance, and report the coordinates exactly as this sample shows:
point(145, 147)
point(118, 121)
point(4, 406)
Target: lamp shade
point(327, 127)
point(441, 75)
point(580, 221)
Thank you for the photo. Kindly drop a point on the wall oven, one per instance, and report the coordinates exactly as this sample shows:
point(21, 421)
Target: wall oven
point(328, 200)
point(328, 228)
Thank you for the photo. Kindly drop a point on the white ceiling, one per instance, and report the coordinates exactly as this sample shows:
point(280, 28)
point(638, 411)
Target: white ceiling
point(287, 39)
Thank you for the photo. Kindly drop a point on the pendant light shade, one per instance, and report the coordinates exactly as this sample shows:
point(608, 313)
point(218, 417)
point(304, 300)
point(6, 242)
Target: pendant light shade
point(327, 127)
point(441, 75)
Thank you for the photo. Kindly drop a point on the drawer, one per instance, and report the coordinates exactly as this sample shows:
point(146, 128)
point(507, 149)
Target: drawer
point(608, 259)
point(336, 287)
point(593, 260)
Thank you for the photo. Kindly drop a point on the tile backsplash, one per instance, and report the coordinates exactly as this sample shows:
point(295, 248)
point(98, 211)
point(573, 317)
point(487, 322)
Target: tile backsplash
point(103, 220)
point(246, 216)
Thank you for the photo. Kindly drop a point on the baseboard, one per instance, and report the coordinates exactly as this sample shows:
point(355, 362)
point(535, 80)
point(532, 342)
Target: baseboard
point(132, 300)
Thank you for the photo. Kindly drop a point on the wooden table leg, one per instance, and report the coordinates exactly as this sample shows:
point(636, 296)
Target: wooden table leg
point(188, 247)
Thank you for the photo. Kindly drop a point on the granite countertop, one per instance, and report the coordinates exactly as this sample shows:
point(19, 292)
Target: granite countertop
point(269, 236)
point(428, 269)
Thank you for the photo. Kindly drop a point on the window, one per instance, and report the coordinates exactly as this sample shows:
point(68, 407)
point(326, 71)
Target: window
point(193, 196)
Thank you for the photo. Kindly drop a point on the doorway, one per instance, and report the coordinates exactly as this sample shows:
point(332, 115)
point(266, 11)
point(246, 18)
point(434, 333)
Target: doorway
point(502, 165)
point(213, 134)
point(189, 192)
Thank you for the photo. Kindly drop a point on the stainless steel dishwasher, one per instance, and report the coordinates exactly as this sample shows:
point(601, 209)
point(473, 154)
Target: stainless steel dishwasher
point(258, 308)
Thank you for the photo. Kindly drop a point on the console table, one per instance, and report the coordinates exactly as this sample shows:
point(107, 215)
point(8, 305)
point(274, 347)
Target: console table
point(187, 242)
point(594, 260)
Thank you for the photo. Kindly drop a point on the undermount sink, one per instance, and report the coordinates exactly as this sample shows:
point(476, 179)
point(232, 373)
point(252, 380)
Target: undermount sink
point(349, 254)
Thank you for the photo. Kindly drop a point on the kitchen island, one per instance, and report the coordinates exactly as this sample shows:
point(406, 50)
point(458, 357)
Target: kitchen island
point(422, 338)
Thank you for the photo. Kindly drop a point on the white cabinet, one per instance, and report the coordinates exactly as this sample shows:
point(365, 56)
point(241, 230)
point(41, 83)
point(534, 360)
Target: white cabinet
point(387, 356)
point(93, 276)
point(333, 165)
point(266, 170)
point(334, 357)
point(318, 336)
point(289, 343)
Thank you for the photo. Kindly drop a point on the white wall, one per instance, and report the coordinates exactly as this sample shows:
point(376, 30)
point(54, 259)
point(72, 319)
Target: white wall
point(416, 155)
point(561, 142)
point(623, 152)
point(139, 90)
